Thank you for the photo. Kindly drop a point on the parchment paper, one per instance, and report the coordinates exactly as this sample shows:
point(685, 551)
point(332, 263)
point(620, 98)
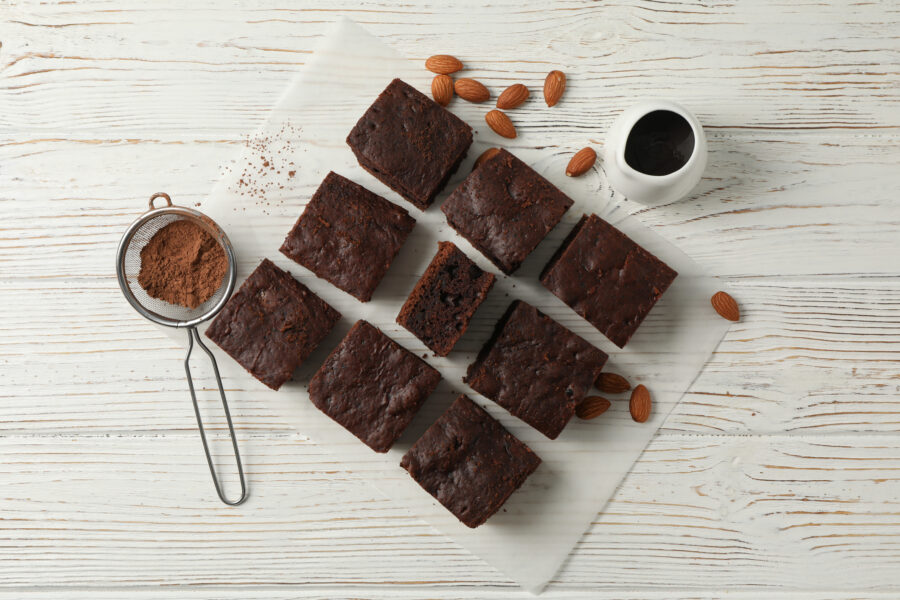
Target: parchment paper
point(264, 191)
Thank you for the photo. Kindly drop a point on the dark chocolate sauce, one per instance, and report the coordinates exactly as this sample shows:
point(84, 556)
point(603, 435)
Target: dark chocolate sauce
point(661, 142)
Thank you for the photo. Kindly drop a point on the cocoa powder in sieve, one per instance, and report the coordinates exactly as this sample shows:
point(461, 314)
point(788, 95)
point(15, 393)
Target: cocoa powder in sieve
point(182, 264)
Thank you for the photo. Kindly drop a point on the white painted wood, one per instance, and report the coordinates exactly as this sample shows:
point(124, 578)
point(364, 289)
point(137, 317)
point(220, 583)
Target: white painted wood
point(385, 592)
point(775, 478)
point(699, 513)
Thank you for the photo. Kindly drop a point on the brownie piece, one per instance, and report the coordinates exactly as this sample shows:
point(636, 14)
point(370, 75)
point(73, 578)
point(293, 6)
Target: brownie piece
point(271, 324)
point(606, 278)
point(504, 208)
point(469, 462)
point(372, 386)
point(441, 305)
point(348, 236)
point(410, 142)
point(535, 368)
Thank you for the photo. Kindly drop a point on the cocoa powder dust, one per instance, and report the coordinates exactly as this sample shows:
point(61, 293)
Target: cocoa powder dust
point(182, 264)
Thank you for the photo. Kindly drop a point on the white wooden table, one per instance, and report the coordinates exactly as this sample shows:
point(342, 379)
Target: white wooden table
point(777, 477)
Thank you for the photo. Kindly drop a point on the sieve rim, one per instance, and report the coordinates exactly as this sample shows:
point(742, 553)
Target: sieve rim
point(194, 216)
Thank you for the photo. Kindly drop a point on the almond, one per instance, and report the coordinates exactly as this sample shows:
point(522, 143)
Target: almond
point(485, 156)
point(581, 163)
point(726, 306)
point(442, 89)
point(612, 383)
point(591, 407)
point(512, 96)
point(500, 123)
point(640, 404)
point(471, 90)
point(443, 64)
point(554, 86)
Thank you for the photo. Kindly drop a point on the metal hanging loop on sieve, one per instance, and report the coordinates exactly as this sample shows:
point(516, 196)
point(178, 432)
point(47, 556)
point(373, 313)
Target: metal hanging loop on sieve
point(160, 195)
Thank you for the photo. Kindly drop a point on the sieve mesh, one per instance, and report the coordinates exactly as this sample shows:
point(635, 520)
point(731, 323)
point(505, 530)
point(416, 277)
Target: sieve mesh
point(130, 265)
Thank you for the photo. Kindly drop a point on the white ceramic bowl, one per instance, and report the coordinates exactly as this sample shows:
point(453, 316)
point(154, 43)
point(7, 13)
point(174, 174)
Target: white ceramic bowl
point(641, 187)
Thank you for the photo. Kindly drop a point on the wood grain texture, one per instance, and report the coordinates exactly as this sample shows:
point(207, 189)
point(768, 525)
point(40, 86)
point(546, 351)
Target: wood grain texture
point(777, 475)
point(742, 513)
point(389, 592)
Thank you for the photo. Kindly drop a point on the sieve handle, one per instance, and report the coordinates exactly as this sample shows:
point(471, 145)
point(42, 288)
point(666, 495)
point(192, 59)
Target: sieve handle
point(192, 334)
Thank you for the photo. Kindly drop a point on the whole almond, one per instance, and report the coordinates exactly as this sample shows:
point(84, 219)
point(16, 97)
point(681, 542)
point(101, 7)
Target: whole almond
point(500, 123)
point(726, 306)
point(612, 383)
point(485, 156)
point(554, 86)
point(443, 64)
point(640, 404)
point(592, 407)
point(442, 89)
point(581, 163)
point(471, 90)
point(512, 96)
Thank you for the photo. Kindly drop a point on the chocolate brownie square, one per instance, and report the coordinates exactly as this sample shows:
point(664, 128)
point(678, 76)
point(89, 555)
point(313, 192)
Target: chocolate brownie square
point(535, 368)
point(606, 278)
point(469, 462)
point(348, 236)
point(441, 305)
point(504, 208)
point(372, 386)
point(271, 324)
point(410, 142)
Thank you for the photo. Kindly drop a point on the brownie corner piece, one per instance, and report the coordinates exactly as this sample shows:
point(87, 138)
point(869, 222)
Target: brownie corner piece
point(469, 462)
point(535, 368)
point(372, 386)
point(410, 142)
point(272, 324)
point(505, 208)
point(441, 305)
point(348, 236)
point(607, 278)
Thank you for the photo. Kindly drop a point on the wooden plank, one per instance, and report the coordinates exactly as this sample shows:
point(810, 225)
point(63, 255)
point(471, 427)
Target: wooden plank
point(767, 206)
point(808, 356)
point(402, 592)
point(747, 514)
point(834, 339)
point(770, 65)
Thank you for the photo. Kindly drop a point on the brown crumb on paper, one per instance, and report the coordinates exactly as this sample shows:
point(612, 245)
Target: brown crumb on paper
point(261, 174)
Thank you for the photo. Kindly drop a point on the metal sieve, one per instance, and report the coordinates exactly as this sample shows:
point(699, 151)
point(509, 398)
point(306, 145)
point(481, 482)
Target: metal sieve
point(128, 265)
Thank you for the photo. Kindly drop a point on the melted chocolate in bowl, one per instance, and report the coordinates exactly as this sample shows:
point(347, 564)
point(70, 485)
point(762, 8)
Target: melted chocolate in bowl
point(661, 142)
